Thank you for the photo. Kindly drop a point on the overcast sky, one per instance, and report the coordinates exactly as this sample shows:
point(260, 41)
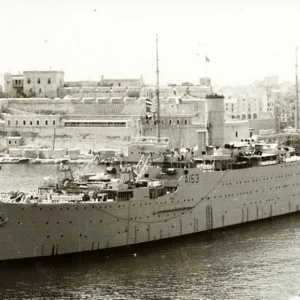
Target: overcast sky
point(245, 40)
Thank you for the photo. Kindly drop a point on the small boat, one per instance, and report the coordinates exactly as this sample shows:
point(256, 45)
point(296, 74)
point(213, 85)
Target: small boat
point(23, 160)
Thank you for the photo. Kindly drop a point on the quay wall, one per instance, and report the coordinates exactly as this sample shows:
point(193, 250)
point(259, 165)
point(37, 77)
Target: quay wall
point(85, 139)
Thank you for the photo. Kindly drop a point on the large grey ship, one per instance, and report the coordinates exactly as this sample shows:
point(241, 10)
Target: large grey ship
point(174, 199)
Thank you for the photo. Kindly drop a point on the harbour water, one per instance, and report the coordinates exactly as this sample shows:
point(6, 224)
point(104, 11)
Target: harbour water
point(260, 260)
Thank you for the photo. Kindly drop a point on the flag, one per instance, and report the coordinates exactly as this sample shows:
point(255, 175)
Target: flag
point(207, 59)
point(148, 105)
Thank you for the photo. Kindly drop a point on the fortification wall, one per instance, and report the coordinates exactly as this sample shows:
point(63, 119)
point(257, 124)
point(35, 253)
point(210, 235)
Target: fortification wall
point(258, 125)
point(76, 106)
point(180, 136)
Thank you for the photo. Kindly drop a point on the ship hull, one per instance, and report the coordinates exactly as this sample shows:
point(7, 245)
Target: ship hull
point(203, 201)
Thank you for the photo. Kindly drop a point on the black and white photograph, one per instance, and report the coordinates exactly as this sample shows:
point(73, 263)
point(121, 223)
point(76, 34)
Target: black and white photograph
point(149, 150)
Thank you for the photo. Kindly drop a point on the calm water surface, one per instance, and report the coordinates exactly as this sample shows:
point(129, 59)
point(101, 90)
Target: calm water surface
point(256, 261)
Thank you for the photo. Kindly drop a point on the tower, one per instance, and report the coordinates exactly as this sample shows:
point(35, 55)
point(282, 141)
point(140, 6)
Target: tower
point(7, 84)
point(214, 119)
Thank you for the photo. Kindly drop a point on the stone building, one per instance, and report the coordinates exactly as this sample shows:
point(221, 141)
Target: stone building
point(33, 84)
point(43, 83)
point(125, 82)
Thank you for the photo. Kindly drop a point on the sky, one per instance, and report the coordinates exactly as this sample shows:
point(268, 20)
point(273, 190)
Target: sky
point(244, 40)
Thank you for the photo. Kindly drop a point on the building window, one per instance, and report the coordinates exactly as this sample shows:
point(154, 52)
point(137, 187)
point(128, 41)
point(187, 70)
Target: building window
point(37, 122)
point(170, 122)
point(9, 142)
point(28, 80)
point(49, 80)
point(8, 122)
point(30, 122)
point(178, 122)
point(185, 122)
point(24, 122)
point(39, 80)
point(17, 123)
point(236, 134)
point(40, 90)
point(250, 133)
point(53, 122)
point(46, 122)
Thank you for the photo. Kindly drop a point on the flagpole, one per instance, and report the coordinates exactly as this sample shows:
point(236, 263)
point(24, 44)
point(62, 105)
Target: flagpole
point(297, 100)
point(157, 91)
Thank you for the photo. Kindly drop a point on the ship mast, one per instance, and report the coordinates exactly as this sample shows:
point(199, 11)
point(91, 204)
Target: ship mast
point(297, 100)
point(157, 92)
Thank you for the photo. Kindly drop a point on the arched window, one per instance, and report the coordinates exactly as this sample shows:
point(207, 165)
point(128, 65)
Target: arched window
point(232, 117)
point(254, 116)
point(249, 116)
point(238, 117)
